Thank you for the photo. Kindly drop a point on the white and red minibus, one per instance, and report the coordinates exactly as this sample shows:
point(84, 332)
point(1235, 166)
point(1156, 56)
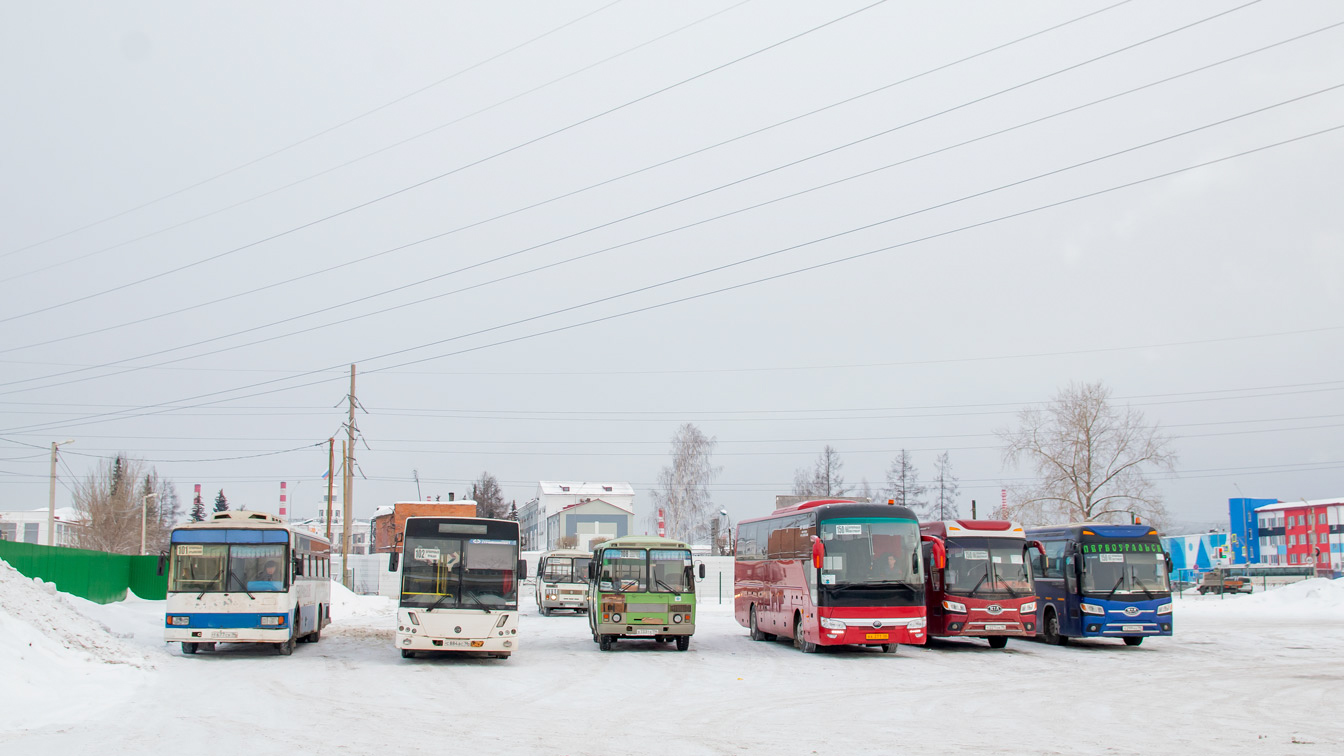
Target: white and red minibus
point(984, 588)
point(832, 572)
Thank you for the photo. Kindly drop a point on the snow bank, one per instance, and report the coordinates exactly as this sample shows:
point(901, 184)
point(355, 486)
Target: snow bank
point(31, 606)
point(345, 604)
point(1315, 598)
point(54, 659)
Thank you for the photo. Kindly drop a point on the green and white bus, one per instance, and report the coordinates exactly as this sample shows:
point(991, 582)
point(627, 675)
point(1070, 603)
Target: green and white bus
point(642, 587)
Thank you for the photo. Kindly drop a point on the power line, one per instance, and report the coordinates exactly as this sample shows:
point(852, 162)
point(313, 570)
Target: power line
point(378, 151)
point(1077, 198)
point(306, 139)
point(440, 176)
point(683, 278)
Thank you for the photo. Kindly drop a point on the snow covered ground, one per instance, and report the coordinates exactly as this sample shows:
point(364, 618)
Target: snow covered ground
point(1244, 674)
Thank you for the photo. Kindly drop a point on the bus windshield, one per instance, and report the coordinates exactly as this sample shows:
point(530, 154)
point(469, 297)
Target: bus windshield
point(1127, 568)
point(646, 571)
point(566, 570)
point(222, 568)
point(459, 573)
point(990, 567)
point(871, 562)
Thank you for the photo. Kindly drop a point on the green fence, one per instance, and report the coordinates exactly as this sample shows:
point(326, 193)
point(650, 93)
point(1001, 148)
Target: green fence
point(94, 575)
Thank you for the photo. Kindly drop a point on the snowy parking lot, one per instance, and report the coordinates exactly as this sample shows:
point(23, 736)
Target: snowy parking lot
point(1244, 674)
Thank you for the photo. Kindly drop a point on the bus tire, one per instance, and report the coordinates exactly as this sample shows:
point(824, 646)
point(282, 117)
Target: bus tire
point(545, 612)
point(406, 653)
point(757, 634)
point(683, 642)
point(605, 643)
point(1050, 629)
point(997, 641)
point(1133, 641)
point(316, 634)
point(802, 644)
point(188, 649)
point(889, 648)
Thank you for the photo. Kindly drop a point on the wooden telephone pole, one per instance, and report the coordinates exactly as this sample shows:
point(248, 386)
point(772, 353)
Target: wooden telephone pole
point(331, 480)
point(347, 498)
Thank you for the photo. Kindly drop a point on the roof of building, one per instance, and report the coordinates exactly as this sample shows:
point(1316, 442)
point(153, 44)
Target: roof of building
point(1300, 504)
point(584, 488)
point(570, 509)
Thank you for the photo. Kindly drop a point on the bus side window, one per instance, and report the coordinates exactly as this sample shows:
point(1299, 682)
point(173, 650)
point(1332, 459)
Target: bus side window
point(1070, 579)
point(1054, 559)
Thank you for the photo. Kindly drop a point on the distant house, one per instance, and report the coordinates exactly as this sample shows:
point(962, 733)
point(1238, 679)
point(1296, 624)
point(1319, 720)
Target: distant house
point(555, 495)
point(30, 526)
point(579, 525)
point(389, 522)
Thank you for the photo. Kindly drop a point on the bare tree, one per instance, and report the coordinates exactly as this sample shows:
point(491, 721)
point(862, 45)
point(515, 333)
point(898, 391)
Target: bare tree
point(945, 488)
point(489, 497)
point(903, 482)
point(825, 479)
point(162, 511)
point(683, 486)
point(109, 500)
point(1091, 459)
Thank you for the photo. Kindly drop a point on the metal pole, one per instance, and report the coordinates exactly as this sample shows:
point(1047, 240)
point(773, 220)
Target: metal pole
point(347, 505)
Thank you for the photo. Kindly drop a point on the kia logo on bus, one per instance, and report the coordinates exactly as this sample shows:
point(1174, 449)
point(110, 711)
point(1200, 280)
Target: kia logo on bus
point(877, 624)
point(1131, 611)
point(994, 609)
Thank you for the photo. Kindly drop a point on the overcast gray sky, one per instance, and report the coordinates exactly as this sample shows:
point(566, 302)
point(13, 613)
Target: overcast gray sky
point(509, 216)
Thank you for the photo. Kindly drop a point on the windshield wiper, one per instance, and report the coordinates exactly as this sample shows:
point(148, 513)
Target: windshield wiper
point(438, 601)
point(977, 585)
point(1139, 582)
point(669, 588)
point(478, 601)
point(234, 575)
point(1116, 587)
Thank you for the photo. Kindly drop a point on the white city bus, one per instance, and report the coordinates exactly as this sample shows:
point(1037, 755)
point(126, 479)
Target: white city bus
point(459, 586)
point(562, 581)
point(246, 577)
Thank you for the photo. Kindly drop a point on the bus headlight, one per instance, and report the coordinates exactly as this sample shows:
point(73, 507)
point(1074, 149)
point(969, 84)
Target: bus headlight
point(179, 619)
point(832, 624)
point(1093, 609)
point(918, 623)
point(676, 619)
point(1164, 609)
point(954, 606)
point(1028, 607)
point(272, 621)
point(616, 617)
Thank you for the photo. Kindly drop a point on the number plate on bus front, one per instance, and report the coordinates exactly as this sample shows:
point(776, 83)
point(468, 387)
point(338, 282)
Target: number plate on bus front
point(996, 627)
point(457, 643)
point(1131, 628)
point(876, 636)
point(223, 634)
point(643, 631)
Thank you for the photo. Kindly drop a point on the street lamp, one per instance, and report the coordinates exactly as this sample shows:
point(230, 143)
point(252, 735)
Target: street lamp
point(51, 495)
point(729, 533)
point(144, 508)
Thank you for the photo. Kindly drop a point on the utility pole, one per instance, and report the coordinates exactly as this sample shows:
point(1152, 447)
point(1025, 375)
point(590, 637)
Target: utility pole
point(348, 500)
point(51, 495)
point(331, 479)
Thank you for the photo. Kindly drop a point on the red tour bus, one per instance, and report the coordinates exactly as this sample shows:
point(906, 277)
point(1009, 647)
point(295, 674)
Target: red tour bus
point(984, 589)
point(832, 572)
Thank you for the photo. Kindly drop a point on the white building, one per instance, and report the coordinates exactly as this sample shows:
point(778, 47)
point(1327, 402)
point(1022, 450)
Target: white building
point(555, 495)
point(30, 526)
point(361, 533)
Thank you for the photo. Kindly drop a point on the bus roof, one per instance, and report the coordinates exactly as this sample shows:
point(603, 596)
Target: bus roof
point(827, 508)
point(1100, 529)
point(642, 542)
point(246, 520)
point(983, 528)
point(565, 553)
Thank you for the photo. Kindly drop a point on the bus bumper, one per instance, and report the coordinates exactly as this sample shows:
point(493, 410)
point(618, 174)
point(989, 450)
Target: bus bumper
point(984, 629)
point(646, 631)
point(225, 635)
point(910, 632)
point(490, 645)
point(1101, 629)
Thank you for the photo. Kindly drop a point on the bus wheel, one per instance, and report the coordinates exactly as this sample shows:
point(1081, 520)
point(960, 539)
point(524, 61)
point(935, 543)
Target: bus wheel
point(188, 648)
point(684, 642)
point(889, 648)
point(997, 641)
point(1133, 641)
point(545, 612)
point(605, 643)
point(406, 653)
point(756, 633)
point(1050, 629)
point(798, 640)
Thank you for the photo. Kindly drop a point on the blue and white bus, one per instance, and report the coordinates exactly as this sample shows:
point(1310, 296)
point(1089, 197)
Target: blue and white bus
point(1095, 580)
point(246, 577)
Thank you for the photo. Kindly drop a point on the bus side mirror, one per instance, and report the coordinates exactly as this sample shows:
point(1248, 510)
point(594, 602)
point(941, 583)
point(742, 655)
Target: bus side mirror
point(163, 562)
point(702, 570)
point(393, 561)
point(1167, 558)
point(592, 570)
point(298, 567)
point(818, 553)
point(939, 551)
point(522, 569)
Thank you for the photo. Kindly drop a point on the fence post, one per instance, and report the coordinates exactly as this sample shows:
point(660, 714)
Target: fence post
point(720, 587)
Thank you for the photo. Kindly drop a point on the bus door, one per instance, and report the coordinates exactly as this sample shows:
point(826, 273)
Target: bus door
point(933, 589)
point(1071, 623)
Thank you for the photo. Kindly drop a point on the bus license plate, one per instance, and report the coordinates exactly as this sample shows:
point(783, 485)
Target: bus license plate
point(223, 634)
point(877, 636)
point(643, 631)
point(1131, 628)
point(457, 643)
point(996, 627)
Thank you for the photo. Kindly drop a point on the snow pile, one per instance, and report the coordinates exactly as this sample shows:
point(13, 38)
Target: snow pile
point(1311, 599)
point(39, 620)
point(345, 604)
